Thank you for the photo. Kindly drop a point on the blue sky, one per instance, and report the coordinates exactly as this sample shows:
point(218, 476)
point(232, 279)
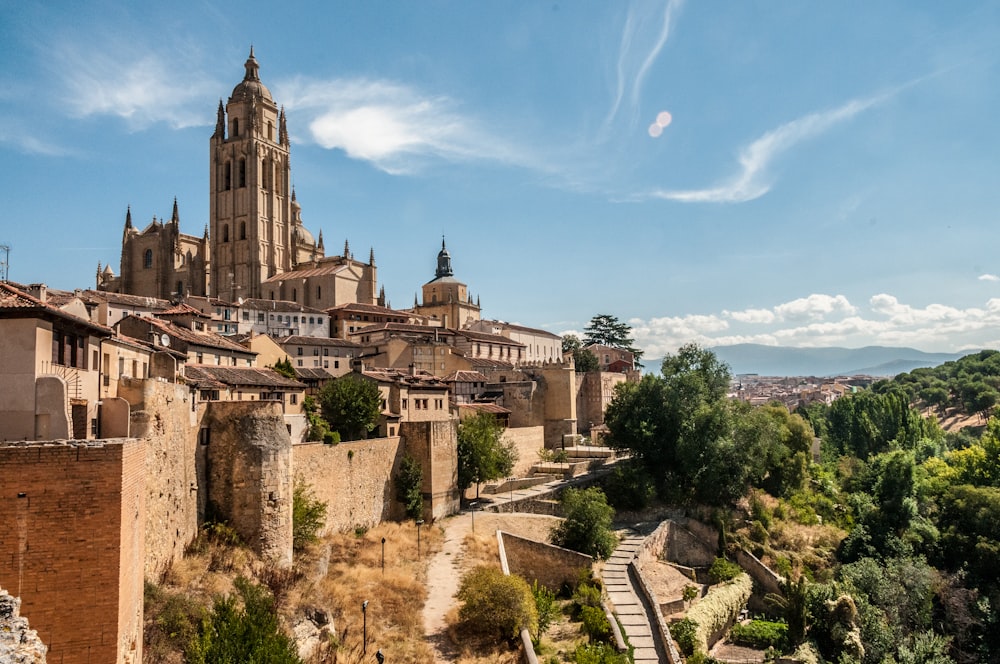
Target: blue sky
point(801, 174)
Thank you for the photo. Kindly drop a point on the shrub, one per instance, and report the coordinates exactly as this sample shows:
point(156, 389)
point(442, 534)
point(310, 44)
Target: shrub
point(599, 653)
point(689, 593)
point(586, 595)
point(545, 604)
point(595, 623)
point(723, 570)
point(761, 634)
point(331, 437)
point(684, 632)
point(247, 633)
point(587, 526)
point(496, 605)
point(308, 515)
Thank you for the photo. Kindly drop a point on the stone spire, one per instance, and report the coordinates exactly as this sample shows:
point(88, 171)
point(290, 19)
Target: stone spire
point(444, 262)
point(174, 217)
point(415, 303)
point(347, 249)
point(282, 128)
point(320, 243)
point(371, 257)
point(128, 219)
point(220, 122)
point(252, 68)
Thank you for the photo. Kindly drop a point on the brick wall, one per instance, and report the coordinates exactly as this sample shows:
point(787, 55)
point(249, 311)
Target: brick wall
point(71, 531)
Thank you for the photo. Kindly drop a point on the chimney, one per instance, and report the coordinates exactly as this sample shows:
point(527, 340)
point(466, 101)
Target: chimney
point(413, 369)
point(39, 291)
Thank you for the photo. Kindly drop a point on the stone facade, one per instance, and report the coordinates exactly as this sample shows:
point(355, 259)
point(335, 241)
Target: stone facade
point(552, 566)
point(72, 522)
point(249, 474)
point(19, 644)
point(527, 441)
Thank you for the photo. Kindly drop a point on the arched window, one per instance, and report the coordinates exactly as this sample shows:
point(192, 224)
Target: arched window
point(319, 292)
point(225, 233)
point(270, 130)
point(295, 295)
point(243, 230)
point(147, 259)
point(243, 172)
point(228, 180)
point(236, 127)
point(264, 179)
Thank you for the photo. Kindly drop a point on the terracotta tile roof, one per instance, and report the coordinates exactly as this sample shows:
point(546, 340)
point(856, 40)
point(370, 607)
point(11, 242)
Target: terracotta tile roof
point(405, 327)
point(239, 376)
point(306, 273)
point(465, 377)
point(312, 373)
point(486, 337)
point(283, 306)
point(127, 300)
point(485, 408)
point(367, 308)
point(15, 303)
point(522, 328)
point(420, 379)
point(300, 340)
point(182, 309)
point(208, 339)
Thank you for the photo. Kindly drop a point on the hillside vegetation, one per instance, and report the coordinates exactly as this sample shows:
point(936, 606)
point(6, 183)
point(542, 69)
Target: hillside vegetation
point(889, 544)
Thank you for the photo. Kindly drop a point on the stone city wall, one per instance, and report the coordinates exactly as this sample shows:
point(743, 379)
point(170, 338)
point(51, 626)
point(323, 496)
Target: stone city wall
point(249, 470)
point(551, 566)
point(72, 520)
point(161, 416)
point(527, 441)
point(435, 446)
point(354, 479)
point(19, 644)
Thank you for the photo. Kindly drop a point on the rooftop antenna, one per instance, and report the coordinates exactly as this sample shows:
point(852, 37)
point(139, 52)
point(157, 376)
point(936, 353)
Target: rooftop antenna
point(5, 262)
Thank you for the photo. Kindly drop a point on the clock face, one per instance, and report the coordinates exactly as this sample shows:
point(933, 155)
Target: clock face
point(164, 340)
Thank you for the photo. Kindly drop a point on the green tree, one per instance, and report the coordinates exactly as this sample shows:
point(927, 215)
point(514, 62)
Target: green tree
point(607, 330)
point(243, 627)
point(496, 605)
point(483, 455)
point(308, 514)
point(585, 361)
point(285, 368)
point(351, 406)
point(587, 524)
point(409, 487)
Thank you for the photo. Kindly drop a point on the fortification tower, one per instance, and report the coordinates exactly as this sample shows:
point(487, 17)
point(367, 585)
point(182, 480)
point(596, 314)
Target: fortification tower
point(251, 217)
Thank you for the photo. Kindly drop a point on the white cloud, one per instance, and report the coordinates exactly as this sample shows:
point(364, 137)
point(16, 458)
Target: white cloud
point(752, 181)
point(814, 307)
point(393, 126)
point(142, 88)
point(829, 320)
point(762, 316)
point(989, 277)
point(634, 62)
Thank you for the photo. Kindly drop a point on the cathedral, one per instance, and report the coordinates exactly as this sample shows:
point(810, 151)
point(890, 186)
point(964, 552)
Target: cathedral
point(255, 244)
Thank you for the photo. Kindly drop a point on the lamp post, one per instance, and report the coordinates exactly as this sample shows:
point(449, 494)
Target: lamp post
point(379, 656)
point(383, 556)
point(420, 522)
point(364, 613)
point(472, 504)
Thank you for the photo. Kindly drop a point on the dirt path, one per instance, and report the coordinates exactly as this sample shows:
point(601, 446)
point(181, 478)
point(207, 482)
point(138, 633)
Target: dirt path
point(444, 572)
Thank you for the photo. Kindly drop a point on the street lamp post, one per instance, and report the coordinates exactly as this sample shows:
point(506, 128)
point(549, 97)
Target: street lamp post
point(364, 642)
point(379, 656)
point(420, 522)
point(383, 556)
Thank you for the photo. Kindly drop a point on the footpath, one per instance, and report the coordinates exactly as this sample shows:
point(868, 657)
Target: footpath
point(443, 573)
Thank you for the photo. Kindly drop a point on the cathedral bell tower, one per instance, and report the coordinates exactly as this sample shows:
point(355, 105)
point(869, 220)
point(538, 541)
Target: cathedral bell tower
point(250, 194)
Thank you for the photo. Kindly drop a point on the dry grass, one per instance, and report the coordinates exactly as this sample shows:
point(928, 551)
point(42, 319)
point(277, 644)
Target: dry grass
point(395, 598)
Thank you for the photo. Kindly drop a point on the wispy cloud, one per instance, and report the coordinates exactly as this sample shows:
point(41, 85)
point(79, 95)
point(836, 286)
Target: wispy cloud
point(828, 320)
point(28, 143)
point(139, 86)
point(635, 59)
point(394, 126)
point(753, 179)
point(989, 277)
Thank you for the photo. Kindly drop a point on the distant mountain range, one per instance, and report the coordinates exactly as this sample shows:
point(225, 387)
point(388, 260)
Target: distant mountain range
point(782, 361)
